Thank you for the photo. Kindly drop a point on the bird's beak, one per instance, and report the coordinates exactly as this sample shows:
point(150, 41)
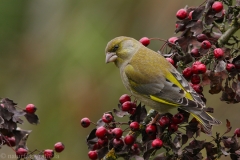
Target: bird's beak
point(111, 57)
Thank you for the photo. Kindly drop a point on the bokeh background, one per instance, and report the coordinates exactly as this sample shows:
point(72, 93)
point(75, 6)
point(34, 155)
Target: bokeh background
point(52, 55)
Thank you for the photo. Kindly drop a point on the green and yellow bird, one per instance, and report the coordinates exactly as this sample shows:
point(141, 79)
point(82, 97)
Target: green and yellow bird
point(154, 81)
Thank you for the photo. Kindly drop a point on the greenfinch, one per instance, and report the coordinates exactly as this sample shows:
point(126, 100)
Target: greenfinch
point(154, 81)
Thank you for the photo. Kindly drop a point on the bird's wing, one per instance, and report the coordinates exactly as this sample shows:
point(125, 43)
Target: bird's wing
point(171, 89)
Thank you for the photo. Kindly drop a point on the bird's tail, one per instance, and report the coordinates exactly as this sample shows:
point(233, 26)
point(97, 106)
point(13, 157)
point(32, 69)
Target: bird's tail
point(206, 120)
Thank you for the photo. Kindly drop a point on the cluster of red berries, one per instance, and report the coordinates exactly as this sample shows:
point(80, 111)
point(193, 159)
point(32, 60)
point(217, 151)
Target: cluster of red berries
point(48, 153)
point(109, 134)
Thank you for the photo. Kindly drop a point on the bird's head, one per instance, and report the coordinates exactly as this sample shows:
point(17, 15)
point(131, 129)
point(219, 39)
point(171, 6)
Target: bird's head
point(121, 49)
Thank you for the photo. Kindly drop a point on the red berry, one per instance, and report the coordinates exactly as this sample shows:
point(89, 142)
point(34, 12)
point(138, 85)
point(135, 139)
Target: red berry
point(157, 143)
point(48, 153)
point(118, 143)
point(181, 14)
point(102, 142)
point(195, 52)
point(145, 41)
point(96, 146)
point(134, 126)
point(187, 72)
point(218, 53)
point(107, 118)
point(59, 147)
point(177, 118)
point(201, 37)
point(172, 40)
point(126, 106)
point(237, 132)
point(206, 44)
point(117, 132)
point(195, 79)
point(190, 15)
point(124, 98)
point(101, 132)
point(85, 122)
point(93, 155)
point(135, 146)
point(230, 67)
point(21, 152)
point(163, 121)
point(197, 88)
point(196, 63)
point(11, 141)
point(173, 127)
point(170, 60)
point(217, 6)
point(30, 108)
point(129, 140)
point(151, 129)
point(132, 111)
point(199, 69)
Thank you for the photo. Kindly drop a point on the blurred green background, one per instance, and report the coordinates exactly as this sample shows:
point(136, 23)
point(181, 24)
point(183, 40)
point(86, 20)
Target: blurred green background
point(52, 55)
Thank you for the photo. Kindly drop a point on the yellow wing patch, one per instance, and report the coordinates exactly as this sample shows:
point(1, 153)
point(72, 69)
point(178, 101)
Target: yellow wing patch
point(176, 82)
point(163, 101)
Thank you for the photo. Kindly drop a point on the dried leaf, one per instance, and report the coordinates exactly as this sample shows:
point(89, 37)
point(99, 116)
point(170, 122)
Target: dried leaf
point(120, 113)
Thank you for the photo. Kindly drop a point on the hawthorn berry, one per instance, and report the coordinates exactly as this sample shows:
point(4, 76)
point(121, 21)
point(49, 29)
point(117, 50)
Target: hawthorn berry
point(107, 118)
point(217, 6)
point(218, 53)
point(96, 146)
point(182, 14)
point(206, 44)
point(172, 40)
point(129, 140)
point(21, 152)
point(102, 142)
point(59, 147)
point(30, 108)
point(93, 155)
point(145, 41)
point(48, 153)
point(230, 67)
point(126, 106)
point(163, 121)
point(171, 61)
point(85, 122)
point(190, 15)
point(124, 98)
point(173, 127)
point(132, 111)
point(11, 141)
point(157, 143)
point(118, 143)
point(195, 52)
point(199, 68)
point(134, 126)
point(195, 79)
point(117, 132)
point(101, 132)
point(201, 37)
point(151, 129)
point(198, 88)
point(177, 118)
point(237, 132)
point(187, 72)
point(135, 146)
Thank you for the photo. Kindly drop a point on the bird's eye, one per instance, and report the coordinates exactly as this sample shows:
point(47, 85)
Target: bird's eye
point(115, 48)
